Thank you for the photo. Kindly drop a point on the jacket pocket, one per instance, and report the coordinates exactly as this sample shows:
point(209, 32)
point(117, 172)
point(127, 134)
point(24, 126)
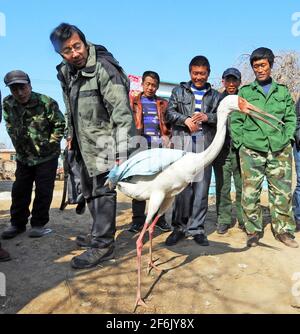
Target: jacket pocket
point(278, 104)
point(250, 125)
point(252, 99)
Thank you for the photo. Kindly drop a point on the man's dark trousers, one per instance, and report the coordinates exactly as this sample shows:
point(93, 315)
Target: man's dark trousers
point(43, 175)
point(102, 203)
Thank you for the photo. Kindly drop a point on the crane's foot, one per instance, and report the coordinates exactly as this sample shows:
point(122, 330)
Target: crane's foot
point(151, 265)
point(139, 302)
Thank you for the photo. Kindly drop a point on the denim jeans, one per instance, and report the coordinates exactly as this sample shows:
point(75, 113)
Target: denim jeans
point(296, 196)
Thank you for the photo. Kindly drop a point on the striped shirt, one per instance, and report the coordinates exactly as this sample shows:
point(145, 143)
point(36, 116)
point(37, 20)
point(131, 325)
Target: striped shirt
point(198, 97)
point(151, 121)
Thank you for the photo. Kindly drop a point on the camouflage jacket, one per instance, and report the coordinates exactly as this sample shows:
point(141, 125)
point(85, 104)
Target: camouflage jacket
point(256, 134)
point(35, 129)
point(99, 116)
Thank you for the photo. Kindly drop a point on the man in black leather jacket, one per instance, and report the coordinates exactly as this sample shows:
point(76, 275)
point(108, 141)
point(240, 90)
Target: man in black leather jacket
point(193, 118)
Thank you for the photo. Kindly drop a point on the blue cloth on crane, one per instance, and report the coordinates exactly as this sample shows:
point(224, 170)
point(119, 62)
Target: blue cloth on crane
point(149, 162)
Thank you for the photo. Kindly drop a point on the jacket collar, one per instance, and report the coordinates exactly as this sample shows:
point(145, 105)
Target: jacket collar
point(256, 86)
point(33, 102)
point(188, 85)
point(138, 97)
point(90, 69)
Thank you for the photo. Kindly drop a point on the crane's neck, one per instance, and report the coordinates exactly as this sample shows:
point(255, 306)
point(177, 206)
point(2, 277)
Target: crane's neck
point(217, 144)
point(205, 158)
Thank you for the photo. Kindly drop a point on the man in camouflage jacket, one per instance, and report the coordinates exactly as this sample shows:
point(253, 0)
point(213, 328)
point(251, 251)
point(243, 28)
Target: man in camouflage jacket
point(266, 152)
point(100, 122)
point(36, 127)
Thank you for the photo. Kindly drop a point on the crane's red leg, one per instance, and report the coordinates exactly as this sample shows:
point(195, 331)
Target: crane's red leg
point(139, 246)
point(151, 231)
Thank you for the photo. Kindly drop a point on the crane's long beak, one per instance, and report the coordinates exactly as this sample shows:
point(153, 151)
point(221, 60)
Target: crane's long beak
point(249, 109)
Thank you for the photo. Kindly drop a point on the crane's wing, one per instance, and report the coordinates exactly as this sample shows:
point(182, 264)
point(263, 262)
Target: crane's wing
point(147, 162)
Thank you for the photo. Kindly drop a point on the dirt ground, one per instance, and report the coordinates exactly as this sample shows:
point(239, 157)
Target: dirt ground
point(225, 277)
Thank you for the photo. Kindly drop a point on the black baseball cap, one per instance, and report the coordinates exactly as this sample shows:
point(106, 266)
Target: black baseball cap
point(232, 71)
point(16, 77)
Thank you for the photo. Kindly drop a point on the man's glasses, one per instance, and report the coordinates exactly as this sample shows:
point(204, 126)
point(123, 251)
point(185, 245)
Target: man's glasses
point(68, 51)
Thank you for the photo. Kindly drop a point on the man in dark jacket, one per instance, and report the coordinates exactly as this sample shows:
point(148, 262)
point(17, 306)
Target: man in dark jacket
point(100, 124)
point(36, 127)
point(192, 116)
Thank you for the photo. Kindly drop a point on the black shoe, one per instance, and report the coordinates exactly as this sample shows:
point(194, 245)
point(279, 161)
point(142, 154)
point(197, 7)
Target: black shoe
point(84, 241)
point(136, 227)
point(92, 256)
point(201, 239)
point(297, 226)
point(163, 225)
point(80, 208)
point(174, 237)
point(253, 239)
point(12, 231)
point(223, 228)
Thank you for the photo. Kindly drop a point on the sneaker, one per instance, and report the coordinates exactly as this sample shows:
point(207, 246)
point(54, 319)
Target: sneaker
point(84, 241)
point(163, 225)
point(12, 231)
point(253, 239)
point(223, 228)
point(201, 240)
point(38, 232)
point(174, 237)
point(92, 256)
point(4, 255)
point(287, 239)
point(136, 227)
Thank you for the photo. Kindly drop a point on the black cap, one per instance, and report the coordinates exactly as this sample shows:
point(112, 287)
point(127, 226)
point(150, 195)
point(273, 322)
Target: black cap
point(232, 71)
point(16, 77)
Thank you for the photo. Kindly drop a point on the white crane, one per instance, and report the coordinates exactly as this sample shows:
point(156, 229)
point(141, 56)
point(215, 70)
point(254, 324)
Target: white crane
point(158, 175)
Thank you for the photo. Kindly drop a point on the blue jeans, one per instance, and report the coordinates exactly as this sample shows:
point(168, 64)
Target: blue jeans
point(296, 196)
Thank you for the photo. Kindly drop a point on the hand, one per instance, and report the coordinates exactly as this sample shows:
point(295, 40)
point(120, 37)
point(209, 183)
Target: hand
point(200, 117)
point(193, 127)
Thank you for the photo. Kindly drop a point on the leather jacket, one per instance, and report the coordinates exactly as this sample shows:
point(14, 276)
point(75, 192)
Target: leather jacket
point(182, 105)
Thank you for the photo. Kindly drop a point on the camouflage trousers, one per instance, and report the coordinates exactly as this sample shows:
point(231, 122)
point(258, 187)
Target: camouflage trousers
point(226, 165)
point(277, 168)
